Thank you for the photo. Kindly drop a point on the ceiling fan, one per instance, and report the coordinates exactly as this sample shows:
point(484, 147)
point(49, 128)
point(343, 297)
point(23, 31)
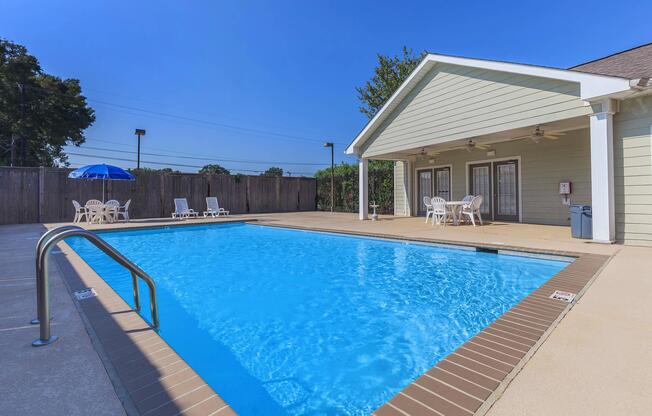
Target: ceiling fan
point(539, 134)
point(423, 152)
point(470, 145)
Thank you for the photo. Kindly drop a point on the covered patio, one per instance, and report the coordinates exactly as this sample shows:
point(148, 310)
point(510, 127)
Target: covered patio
point(531, 140)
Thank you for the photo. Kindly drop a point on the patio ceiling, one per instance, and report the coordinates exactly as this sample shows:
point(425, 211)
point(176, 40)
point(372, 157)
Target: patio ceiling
point(560, 126)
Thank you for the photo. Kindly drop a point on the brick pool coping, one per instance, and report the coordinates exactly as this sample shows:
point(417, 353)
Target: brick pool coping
point(152, 379)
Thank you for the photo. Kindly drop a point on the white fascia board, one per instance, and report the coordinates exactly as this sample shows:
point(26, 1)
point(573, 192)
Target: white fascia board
point(592, 86)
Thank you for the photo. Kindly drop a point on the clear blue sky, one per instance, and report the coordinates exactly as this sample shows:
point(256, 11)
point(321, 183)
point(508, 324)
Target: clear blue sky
point(285, 67)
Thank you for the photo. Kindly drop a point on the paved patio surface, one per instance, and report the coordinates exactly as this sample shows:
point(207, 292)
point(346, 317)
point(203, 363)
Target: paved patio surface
point(66, 378)
point(595, 362)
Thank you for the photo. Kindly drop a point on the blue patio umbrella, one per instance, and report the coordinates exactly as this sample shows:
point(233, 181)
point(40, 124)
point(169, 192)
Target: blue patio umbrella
point(101, 172)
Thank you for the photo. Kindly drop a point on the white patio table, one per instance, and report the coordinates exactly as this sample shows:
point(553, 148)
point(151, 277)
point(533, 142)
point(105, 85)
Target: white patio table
point(101, 213)
point(456, 209)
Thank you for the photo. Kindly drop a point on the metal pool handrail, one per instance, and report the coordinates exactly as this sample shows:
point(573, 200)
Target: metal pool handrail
point(44, 246)
point(44, 238)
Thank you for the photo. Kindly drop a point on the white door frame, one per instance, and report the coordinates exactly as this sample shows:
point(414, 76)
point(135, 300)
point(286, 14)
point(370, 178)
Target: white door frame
point(499, 159)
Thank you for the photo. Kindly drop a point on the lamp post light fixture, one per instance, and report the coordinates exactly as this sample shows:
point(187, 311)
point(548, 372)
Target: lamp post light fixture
point(332, 146)
point(139, 132)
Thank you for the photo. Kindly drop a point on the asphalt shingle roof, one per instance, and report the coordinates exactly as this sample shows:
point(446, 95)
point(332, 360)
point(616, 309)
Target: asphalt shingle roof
point(633, 63)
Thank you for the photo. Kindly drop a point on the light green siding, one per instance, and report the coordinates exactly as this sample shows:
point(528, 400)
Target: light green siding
point(543, 166)
point(633, 171)
point(453, 102)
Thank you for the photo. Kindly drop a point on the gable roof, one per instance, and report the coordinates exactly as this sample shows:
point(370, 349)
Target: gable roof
point(592, 86)
point(632, 63)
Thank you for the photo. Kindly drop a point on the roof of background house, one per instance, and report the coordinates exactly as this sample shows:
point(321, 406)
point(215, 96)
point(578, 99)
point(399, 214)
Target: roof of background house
point(631, 63)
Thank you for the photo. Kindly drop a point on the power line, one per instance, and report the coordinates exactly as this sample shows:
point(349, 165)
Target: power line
point(195, 120)
point(209, 122)
point(209, 158)
point(168, 164)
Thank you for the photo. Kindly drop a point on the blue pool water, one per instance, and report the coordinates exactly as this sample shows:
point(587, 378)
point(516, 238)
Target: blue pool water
point(288, 322)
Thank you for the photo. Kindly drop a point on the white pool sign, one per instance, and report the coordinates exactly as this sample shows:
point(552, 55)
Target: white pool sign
point(84, 294)
point(563, 296)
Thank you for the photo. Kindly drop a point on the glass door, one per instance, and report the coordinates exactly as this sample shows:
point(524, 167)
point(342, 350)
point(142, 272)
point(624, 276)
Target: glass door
point(443, 183)
point(425, 189)
point(506, 190)
point(480, 184)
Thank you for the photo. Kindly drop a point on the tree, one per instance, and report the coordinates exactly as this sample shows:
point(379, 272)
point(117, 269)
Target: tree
point(155, 170)
point(39, 113)
point(389, 74)
point(273, 171)
point(214, 169)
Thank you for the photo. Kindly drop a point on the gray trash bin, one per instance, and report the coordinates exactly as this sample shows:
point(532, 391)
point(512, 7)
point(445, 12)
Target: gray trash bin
point(581, 221)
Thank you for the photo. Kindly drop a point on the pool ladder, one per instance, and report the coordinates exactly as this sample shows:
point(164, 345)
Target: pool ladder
point(43, 248)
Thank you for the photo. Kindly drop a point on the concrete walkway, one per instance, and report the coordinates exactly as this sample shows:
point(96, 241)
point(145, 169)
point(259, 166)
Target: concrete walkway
point(65, 378)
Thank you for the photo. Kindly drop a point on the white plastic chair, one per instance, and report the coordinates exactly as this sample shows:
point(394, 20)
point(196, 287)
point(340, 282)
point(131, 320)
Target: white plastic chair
point(439, 210)
point(124, 211)
point(80, 212)
point(473, 209)
point(213, 208)
point(95, 209)
point(181, 209)
point(427, 201)
point(111, 209)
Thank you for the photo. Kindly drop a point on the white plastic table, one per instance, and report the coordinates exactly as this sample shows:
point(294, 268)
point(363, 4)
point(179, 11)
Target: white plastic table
point(100, 213)
point(456, 208)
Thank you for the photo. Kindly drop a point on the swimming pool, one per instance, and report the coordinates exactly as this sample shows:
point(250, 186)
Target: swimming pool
point(290, 322)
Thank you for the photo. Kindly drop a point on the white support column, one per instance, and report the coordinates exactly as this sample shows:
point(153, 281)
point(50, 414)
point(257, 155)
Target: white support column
point(407, 180)
point(363, 172)
point(602, 173)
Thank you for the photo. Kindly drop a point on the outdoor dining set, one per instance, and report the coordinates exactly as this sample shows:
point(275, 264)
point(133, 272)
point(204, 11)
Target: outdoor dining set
point(96, 211)
point(468, 209)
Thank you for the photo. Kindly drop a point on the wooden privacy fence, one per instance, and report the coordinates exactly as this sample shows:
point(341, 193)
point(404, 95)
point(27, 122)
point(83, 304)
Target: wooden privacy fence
point(31, 195)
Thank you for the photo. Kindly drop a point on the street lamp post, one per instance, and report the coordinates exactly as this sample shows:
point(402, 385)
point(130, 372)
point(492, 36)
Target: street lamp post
point(332, 146)
point(139, 132)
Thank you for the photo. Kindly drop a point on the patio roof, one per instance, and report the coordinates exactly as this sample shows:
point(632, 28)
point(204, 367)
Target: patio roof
point(592, 86)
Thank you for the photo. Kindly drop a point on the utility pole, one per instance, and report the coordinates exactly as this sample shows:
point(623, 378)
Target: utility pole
point(139, 132)
point(332, 146)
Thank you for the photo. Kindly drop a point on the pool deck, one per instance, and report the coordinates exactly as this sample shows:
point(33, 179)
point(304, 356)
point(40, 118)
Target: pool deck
point(595, 360)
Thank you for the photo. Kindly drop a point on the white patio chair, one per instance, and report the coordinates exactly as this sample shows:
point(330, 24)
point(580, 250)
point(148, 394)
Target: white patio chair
point(80, 212)
point(181, 209)
point(439, 210)
point(473, 209)
point(427, 201)
point(213, 208)
point(95, 209)
point(124, 211)
point(111, 209)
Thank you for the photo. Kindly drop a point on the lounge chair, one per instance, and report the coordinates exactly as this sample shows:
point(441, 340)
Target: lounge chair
point(124, 211)
point(80, 212)
point(473, 209)
point(213, 208)
point(439, 210)
point(181, 209)
point(427, 201)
